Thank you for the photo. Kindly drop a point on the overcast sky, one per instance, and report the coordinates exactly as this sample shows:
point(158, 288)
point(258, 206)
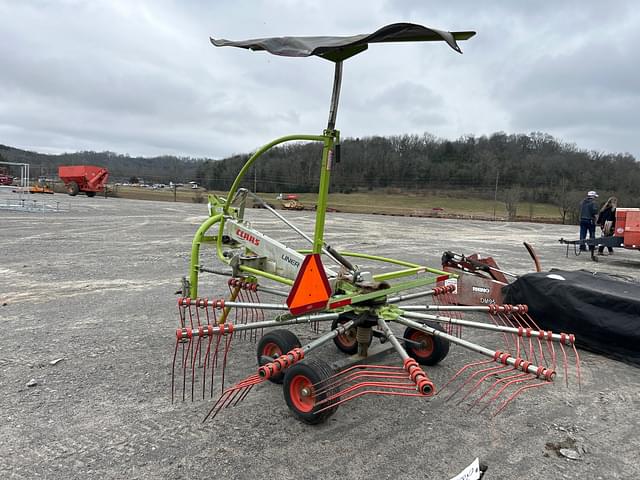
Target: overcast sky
point(141, 77)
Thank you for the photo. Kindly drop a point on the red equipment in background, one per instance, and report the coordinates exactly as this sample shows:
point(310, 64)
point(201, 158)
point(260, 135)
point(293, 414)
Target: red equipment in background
point(479, 279)
point(83, 178)
point(626, 233)
point(628, 227)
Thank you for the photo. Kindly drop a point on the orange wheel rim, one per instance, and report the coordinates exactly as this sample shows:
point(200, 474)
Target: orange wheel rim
point(427, 345)
point(301, 394)
point(272, 350)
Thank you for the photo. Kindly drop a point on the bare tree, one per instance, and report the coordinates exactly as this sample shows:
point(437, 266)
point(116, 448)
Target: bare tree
point(563, 199)
point(511, 198)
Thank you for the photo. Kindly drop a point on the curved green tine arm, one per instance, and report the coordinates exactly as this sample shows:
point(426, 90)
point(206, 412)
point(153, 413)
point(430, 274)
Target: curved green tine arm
point(198, 239)
point(260, 151)
point(328, 138)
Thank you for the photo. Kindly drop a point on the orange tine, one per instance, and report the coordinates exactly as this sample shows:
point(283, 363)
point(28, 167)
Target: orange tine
point(517, 392)
point(228, 395)
point(375, 392)
point(495, 384)
point(519, 379)
point(472, 376)
point(482, 379)
point(463, 369)
point(401, 373)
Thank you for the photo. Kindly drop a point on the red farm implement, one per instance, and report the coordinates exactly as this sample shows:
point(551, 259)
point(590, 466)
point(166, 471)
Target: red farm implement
point(83, 178)
point(626, 233)
point(274, 286)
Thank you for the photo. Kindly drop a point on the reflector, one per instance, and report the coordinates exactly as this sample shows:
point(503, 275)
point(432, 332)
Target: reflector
point(311, 290)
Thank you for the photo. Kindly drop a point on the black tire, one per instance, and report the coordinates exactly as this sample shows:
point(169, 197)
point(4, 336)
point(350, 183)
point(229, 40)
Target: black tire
point(72, 188)
point(274, 344)
point(303, 376)
point(434, 349)
point(91, 194)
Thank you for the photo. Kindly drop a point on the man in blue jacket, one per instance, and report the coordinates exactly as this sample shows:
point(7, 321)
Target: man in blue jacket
point(588, 214)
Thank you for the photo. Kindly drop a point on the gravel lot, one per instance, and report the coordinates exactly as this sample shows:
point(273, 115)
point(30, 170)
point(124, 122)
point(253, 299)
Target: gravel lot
point(96, 286)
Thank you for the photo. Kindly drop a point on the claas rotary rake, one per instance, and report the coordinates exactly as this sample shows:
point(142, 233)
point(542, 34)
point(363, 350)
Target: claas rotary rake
point(358, 305)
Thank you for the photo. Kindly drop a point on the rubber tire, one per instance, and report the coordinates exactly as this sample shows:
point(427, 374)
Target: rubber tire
point(341, 341)
point(91, 194)
point(439, 346)
point(309, 372)
point(283, 341)
point(72, 188)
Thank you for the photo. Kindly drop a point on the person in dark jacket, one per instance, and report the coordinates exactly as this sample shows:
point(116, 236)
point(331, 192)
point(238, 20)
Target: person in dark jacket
point(607, 221)
point(588, 214)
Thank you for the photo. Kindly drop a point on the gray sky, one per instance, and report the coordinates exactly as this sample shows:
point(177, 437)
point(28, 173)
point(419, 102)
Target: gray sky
point(141, 77)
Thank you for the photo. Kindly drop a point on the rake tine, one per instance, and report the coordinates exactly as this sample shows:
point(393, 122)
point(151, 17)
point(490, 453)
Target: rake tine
point(517, 392)
point(219, 405)
point(190, 314)
point(358, 375)
point(554, 357)
point(463, 369)
point(494, 385)
point(243, 396)
point(575, 351)
point(173, 369)
point(507, 384)
point(482, 379)
point(184, 369)
point(367, 392)
point(214, 361)
point(228, 396)
point(494, 319)
point(227, 346)
point(181, 314)
point(471, 377)
point(204, 367)
point(357, 386)
point(196, 353)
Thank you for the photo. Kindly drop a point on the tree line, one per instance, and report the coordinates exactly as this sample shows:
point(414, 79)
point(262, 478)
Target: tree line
point(512, 168)
point(160, 169)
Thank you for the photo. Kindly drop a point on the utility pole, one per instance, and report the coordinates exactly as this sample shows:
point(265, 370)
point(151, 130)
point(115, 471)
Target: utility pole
point(495, 195)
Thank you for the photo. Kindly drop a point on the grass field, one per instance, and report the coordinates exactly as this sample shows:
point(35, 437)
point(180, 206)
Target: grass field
point(441, 204)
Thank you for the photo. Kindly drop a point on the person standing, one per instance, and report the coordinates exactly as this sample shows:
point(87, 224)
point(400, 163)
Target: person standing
point(607, 221)
point(588, 213)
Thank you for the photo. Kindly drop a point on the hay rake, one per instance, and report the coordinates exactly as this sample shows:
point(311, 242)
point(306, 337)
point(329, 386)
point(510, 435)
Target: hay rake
point(358, 305)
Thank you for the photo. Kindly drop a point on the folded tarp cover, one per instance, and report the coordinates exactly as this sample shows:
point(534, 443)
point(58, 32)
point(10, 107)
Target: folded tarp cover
point(603, 311)
point(339, 48)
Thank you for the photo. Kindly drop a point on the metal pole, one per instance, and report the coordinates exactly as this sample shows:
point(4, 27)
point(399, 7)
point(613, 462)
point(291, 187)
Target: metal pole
point(289, 224)
point(495, 194)
point(540, 334)
point(335, 96)
point(533, 369)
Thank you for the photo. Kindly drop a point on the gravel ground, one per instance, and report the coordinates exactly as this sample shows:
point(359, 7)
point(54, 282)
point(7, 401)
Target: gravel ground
point(95, 287)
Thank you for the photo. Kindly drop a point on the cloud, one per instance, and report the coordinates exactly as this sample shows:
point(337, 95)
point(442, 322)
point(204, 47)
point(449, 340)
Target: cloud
point(141, 77)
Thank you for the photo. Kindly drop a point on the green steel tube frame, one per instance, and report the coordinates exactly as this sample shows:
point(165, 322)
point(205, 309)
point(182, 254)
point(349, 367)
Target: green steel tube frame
point(329, 138)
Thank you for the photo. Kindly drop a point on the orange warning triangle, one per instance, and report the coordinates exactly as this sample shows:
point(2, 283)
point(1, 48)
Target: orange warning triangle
point(311, 290)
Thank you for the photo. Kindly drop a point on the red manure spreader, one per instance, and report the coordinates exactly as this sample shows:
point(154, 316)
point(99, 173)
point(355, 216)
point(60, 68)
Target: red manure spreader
point(83, 178)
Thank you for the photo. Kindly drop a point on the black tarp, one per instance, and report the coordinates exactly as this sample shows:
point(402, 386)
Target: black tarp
point(339, 48)
point(603, 311)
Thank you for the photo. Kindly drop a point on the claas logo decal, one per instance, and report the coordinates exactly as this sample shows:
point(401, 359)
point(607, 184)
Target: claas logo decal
point(248, 237)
